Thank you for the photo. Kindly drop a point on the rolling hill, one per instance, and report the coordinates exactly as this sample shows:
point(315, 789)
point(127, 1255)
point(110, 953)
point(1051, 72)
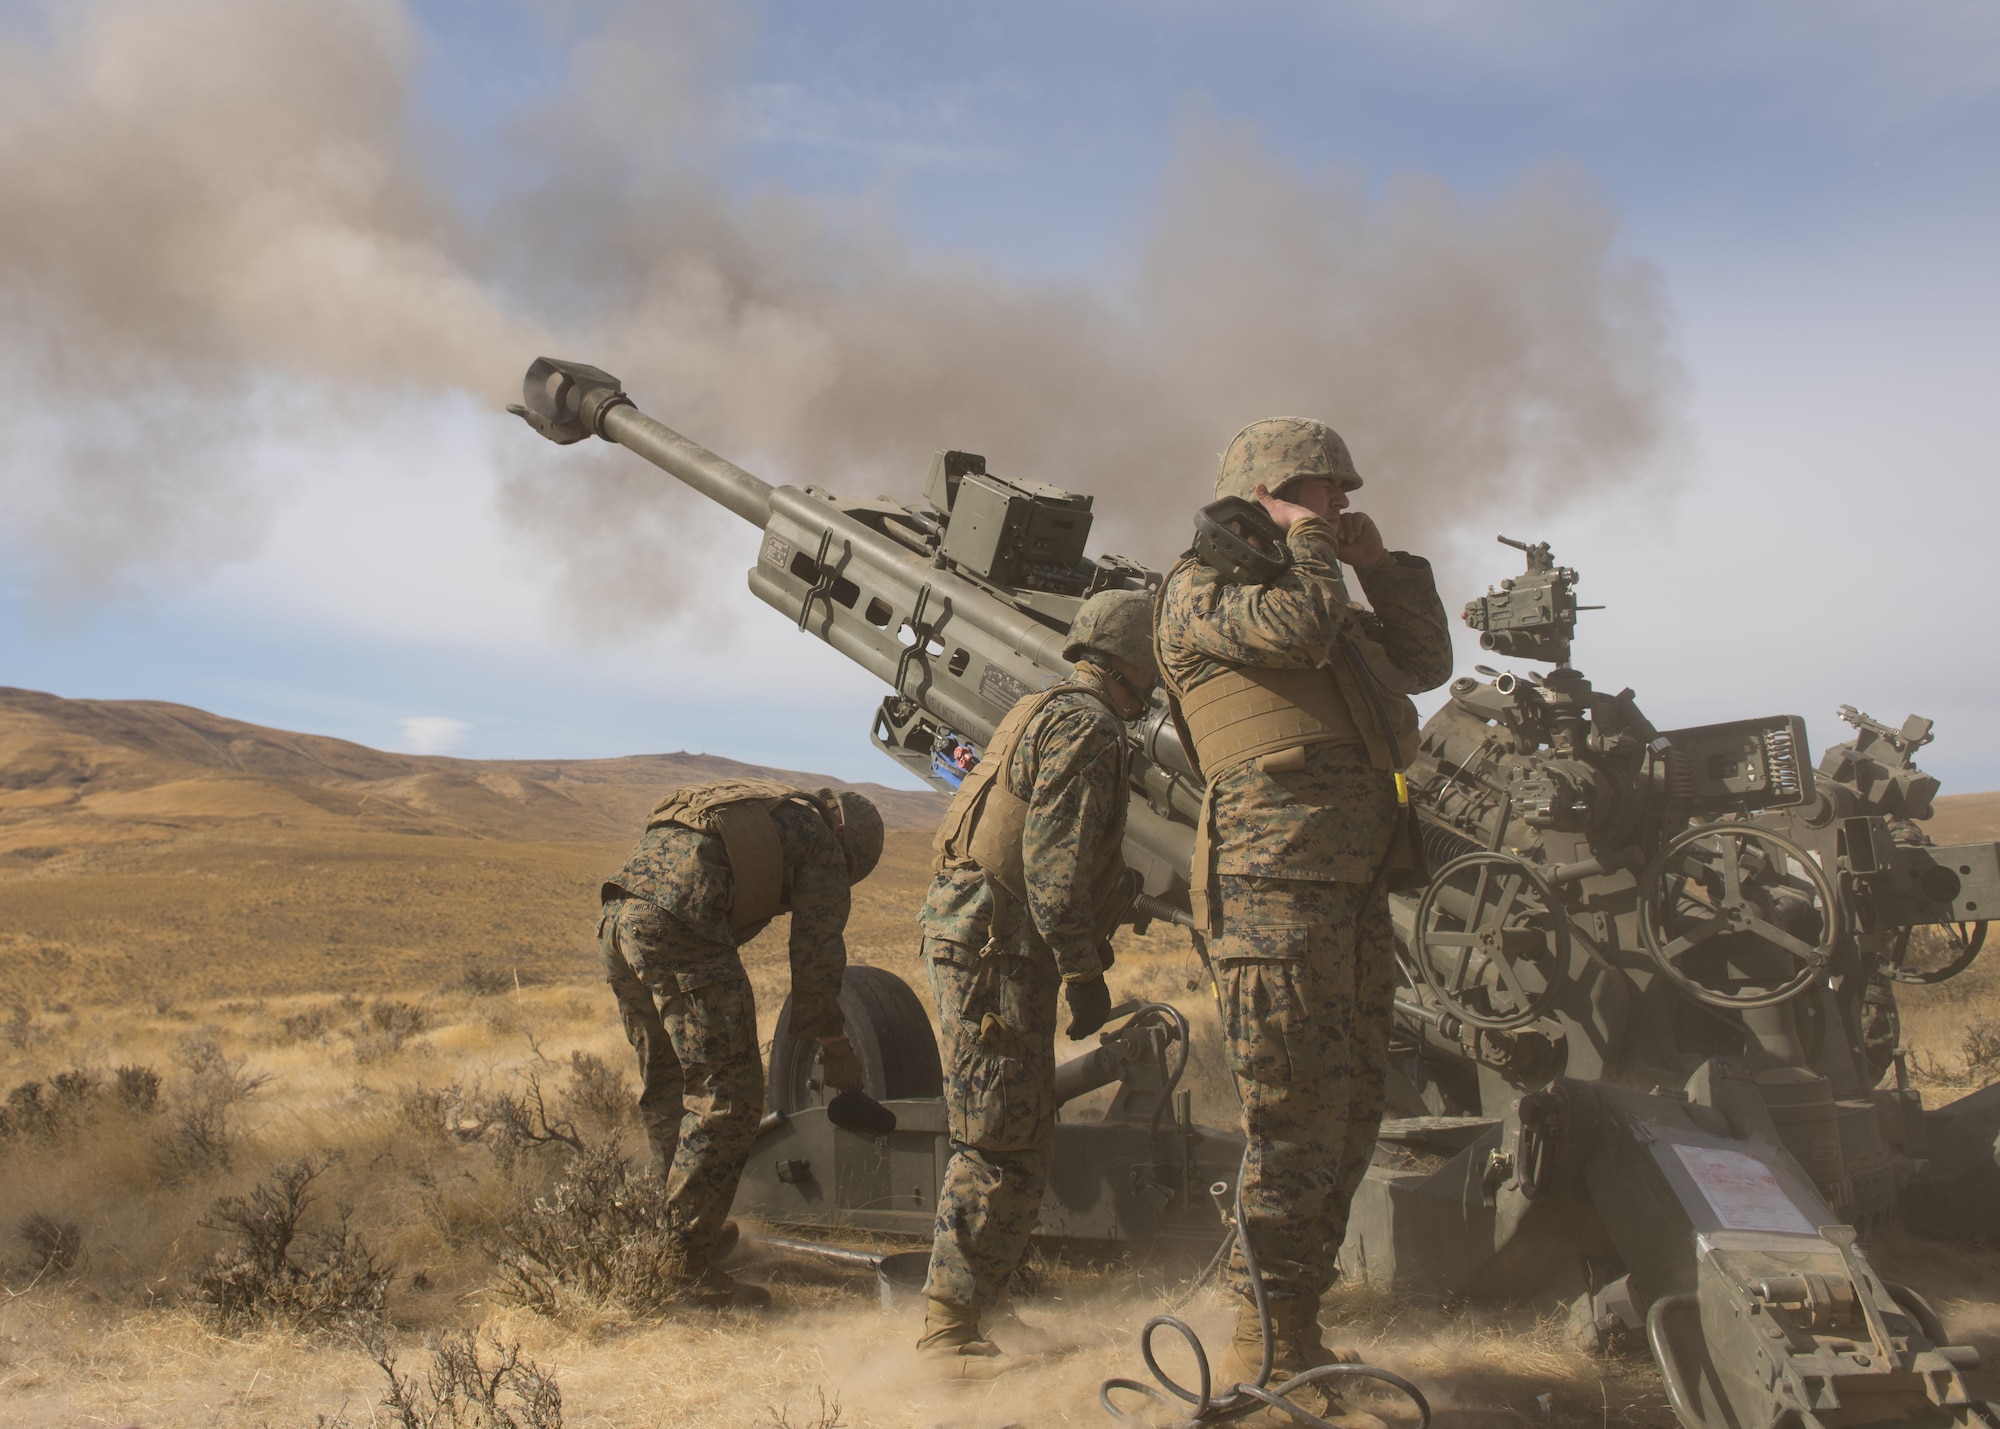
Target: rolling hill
point(159, 851)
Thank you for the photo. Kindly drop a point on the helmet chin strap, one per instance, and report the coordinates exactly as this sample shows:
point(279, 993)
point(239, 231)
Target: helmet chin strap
point(1142, 698)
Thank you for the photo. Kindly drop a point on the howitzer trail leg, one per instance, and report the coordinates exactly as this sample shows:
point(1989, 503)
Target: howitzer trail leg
point(660, 1079)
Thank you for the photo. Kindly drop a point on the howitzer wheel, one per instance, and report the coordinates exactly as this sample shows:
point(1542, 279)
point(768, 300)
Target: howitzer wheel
point(1962, 942)
point(1507, 957)
point(891, 1033)
point(1739, 870)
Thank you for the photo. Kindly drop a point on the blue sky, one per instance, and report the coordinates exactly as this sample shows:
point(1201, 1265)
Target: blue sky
point(1813, 187)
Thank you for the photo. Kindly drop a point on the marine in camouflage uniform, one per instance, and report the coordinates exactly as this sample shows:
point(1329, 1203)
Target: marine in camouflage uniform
point(1296, 701)
point(1030, 880)
point(673, 921)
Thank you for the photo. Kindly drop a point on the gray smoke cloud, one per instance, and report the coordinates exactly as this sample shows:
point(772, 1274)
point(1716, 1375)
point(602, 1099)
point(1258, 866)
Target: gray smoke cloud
point(225, 211)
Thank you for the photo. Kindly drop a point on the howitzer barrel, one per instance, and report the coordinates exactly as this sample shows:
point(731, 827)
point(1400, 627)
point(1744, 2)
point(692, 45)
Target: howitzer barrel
point(723, 482)
point(568, 401)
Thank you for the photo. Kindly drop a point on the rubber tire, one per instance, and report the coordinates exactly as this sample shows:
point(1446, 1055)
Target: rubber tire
point(892, 1038)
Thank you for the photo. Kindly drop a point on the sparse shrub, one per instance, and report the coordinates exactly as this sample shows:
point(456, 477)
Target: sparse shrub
point(597, 1240)
point(462, 1391)
point(204, 1126)
point(481, 980)
point(827, 1416)
point(1979, 1044)
point(137, 1089)
point(508, 1123)
point(307, 1026)
point(277, 1273)
point(20, 1031)
point(52, 1245)
point(598, 1096)
point(68, 1101)
point(387, 1028)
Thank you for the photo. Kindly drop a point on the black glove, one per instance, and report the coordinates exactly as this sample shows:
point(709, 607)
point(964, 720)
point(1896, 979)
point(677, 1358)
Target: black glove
point(1089, 1004)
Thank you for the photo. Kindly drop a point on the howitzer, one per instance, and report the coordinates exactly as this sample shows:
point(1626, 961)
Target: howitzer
point(1641, 1021)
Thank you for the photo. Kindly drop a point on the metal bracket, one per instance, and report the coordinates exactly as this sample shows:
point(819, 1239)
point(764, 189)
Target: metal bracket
point(823, 579)
point(917, 651)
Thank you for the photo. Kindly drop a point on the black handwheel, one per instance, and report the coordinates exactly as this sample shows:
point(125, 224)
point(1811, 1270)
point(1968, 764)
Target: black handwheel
point(891, 1033)
point(1716, 887)
point(1491, 940)
point(1962, 944)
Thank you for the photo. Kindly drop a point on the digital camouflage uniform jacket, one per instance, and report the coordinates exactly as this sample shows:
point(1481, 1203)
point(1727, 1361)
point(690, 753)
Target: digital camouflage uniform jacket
point(691, 942)
point(1329, 821)
point(1074, 762)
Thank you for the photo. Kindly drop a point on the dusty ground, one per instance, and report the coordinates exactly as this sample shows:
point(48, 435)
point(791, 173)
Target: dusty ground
point(118, 1336)
point(315, 952)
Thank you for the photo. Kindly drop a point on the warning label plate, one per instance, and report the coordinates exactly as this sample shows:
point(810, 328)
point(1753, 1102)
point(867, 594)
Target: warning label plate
point(1742, 1192)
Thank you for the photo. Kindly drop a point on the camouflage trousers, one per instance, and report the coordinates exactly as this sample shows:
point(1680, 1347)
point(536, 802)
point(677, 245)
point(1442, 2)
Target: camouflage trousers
point(997, 1014)
point(702, 1080)
point(1308, 977)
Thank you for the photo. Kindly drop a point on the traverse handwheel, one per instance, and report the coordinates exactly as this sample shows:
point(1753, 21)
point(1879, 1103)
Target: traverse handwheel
point(1492, 940)
point(1737, 916)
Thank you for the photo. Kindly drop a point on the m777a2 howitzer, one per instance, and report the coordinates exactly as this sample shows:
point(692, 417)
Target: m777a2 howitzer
point(1646, 990)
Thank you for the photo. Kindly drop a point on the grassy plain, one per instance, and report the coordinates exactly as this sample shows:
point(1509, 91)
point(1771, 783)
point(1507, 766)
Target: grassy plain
point(332, 953)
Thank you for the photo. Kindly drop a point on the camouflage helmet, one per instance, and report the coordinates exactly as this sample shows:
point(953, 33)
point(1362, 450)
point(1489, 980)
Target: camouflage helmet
point(1115, 622)
point(860, 830)
point(1278, 450)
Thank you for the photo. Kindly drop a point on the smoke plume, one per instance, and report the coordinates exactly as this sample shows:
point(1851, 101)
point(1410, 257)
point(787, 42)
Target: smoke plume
point(229, 217)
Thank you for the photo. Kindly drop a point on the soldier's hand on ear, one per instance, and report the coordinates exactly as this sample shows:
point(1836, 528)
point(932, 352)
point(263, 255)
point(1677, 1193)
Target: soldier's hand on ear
point(1357, 541)
point(1282, 511)
point(840, 1069)
point(1089, 1002)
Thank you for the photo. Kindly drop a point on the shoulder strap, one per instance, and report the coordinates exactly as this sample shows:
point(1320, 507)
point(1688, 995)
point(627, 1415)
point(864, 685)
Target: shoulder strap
point(952, 844)
point(1167, 682)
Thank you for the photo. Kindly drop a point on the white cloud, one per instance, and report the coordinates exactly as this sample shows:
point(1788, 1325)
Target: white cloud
point(433, 734)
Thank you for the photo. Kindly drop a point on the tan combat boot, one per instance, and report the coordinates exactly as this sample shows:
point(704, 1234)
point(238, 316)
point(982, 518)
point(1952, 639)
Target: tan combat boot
point(1296, 1348)
point(952, 1342)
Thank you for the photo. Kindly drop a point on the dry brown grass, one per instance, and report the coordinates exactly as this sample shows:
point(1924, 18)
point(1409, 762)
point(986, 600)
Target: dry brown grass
point(355, 981)
point(118, 1336)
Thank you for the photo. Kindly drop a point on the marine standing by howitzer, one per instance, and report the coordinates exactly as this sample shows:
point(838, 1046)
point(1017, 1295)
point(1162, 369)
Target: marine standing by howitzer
point(1030, 881)
point(717, 862)
point(1295, 704)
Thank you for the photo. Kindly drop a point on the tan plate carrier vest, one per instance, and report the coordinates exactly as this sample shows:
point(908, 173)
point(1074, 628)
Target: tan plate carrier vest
point(737, 811)
point(986, 820)
point(1246, 713)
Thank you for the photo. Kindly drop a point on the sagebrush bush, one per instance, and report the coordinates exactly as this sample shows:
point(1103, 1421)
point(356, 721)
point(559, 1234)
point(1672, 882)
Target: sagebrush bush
point(597, 1240)
point(1979, 1044)
point(69, 1101)
point(278, 1272)
point(484, 980)
point(464, 1391)
point(52, 1246)
point(205, 1107)
point(308, 1025)
point(598, 1096)
point(387, 1028)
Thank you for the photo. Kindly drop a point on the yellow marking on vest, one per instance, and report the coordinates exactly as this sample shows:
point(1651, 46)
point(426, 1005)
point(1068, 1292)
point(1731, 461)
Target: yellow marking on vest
point(1402, 788)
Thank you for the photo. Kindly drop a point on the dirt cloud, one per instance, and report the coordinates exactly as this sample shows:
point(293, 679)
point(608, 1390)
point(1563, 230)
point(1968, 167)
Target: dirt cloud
point(225, 213)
